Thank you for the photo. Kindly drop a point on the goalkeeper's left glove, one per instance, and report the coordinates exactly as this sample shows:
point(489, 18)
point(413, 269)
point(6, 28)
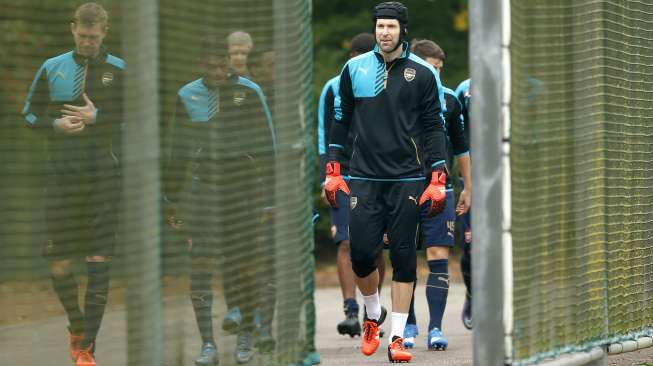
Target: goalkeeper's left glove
point(436, 193)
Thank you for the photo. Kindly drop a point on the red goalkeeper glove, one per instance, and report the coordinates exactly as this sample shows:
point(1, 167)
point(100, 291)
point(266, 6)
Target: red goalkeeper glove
point(436, 193)
point(333, 183)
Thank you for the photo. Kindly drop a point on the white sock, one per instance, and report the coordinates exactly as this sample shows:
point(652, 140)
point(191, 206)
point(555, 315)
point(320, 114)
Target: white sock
point(398, 324)
point(373, 306)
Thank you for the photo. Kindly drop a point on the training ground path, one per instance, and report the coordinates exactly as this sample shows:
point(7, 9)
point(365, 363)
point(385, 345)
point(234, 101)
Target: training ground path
point(42, 341)
point(337, 350)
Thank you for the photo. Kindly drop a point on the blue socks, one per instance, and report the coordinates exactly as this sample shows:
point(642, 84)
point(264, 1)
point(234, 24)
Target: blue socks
point(437, 290)
point(350, 306)
point(411, 310)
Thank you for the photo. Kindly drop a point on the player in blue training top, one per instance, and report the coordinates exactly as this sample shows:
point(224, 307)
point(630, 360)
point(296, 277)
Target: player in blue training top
point(360, 44)
point(438, 232)
point(223, 133)
point(390, 100)
point(464, 96)
point(76, 102)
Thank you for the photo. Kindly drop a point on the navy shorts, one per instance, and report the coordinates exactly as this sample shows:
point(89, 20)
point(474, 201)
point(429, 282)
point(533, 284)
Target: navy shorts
point(438, 231)
point(340, 218)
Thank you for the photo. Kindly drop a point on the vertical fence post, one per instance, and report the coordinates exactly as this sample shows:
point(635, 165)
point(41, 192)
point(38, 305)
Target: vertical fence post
point(486, 19)
point(290, 198)
point(141, 183)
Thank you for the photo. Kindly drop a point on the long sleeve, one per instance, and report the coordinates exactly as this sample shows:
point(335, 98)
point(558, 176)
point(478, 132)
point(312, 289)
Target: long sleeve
point(35, 110)
point(462, 93)
point(177, 160)
point(324, 123)
point(433, 125)
point(266, 161)
point(456, 128)
point(344, 110)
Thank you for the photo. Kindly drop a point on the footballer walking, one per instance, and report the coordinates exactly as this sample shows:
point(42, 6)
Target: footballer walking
point(391, 101)
point(75, 101)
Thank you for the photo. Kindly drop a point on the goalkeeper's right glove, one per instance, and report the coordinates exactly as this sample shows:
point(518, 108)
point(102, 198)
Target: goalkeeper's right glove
point(436, 193)
point(334, 182)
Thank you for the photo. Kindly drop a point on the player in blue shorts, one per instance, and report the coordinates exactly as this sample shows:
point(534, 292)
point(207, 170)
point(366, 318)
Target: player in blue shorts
point(438, 232)
point(360, 44)
point(464, 96)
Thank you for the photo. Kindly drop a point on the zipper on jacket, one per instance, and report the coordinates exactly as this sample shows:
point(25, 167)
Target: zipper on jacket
point(353, 149)
point(85, 76)
point(386, 72)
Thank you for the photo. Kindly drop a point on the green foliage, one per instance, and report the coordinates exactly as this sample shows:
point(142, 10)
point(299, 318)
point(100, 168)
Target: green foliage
point(336, 22)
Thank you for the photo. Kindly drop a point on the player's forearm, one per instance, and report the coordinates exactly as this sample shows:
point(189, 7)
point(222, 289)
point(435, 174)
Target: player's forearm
point(343, 113)
point(172, 181)
point(338, 138)
point(175, 170)
point(465, 169)
point(435, 143)
point(36, 104)
point(323, 161)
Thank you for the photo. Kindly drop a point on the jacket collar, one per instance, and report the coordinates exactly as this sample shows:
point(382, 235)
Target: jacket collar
point(80, 60)
point(232, 78)
point(404, 54)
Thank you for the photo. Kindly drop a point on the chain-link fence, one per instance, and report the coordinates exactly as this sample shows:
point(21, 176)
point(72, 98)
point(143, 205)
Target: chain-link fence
point(156, 182)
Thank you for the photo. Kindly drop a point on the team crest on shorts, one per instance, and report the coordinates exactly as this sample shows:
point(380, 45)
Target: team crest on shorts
point(409, 74)
point(353, 201)
point(107, 78)
point(239, 98)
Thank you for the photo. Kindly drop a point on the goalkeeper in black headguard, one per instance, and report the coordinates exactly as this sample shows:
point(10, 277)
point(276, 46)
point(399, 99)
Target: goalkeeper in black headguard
point(392, 101)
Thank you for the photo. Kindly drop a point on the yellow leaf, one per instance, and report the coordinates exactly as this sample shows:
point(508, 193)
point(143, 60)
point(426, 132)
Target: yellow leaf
point(460, 21)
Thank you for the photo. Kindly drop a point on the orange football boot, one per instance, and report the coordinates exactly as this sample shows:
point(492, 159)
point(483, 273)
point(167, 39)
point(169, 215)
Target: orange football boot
point(370, 338)
point(75, 345)
point(85, 357)
point(397, 352)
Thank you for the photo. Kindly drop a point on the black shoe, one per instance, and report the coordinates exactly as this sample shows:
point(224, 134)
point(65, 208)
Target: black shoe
point(384, 313)
point(231, 321)
point(350, 326)
point(267, 358)
point(244, 350)
point(208, 355)
point(264, 340)
point(467, 313)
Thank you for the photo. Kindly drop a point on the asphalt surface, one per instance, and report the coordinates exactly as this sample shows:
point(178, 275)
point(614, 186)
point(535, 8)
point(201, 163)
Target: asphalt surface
point(337, 350)
point(44, 341)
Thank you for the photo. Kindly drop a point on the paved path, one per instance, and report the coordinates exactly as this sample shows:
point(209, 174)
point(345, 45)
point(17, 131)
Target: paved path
point(42, 343)
point(337, 350)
